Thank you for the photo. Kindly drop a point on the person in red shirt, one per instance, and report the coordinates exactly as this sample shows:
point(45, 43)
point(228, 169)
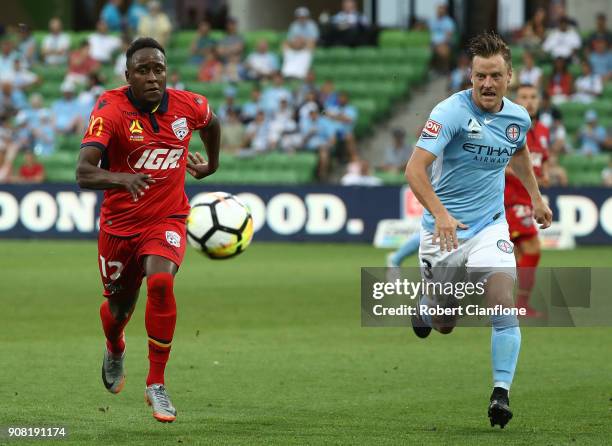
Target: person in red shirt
point(81, 65)
point(136, 149)
point(519, 212)
point(31, 171)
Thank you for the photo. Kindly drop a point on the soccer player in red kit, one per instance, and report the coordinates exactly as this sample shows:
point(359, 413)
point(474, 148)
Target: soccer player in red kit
point(519, 212)
point(136, 149)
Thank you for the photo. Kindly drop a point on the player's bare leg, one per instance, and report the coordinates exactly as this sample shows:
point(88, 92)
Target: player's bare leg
point(115, 313)
point(505, 346)
point(160, 320)
point(527, 261)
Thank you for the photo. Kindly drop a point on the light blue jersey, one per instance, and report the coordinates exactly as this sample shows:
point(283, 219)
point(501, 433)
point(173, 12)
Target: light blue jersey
point(473, 148)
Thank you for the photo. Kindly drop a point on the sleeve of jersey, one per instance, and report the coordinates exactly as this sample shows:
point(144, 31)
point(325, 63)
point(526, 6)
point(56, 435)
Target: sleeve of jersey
point(524, 128)
point(439, 130)
point(100, 128)
point(203, 112)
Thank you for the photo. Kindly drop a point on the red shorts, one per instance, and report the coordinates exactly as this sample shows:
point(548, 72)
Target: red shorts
point(521, 224)
point(120, 258)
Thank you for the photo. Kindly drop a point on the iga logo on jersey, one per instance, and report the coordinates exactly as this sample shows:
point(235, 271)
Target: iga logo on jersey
point(180, 128)
point(431, 129)
point(155, 159)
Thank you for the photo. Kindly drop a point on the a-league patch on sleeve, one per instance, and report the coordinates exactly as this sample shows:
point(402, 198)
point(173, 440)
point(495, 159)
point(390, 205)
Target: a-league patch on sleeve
point(431, 129)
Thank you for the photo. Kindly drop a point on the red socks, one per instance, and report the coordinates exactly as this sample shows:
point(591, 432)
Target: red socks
point(526, 277)
point(113, 329)
point(160, 320)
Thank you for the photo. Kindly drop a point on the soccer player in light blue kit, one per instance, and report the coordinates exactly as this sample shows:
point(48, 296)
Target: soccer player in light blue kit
point(470, 138)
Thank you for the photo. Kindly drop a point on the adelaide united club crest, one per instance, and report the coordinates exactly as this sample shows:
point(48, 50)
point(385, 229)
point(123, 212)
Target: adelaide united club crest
point(180, 128)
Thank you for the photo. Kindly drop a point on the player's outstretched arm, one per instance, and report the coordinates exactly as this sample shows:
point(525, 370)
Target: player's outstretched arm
point(197, 166)
point(521, 165)
point(418, 179)
point(90, 176)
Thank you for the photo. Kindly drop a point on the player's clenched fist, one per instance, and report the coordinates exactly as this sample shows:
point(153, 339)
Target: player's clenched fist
point(136, 183)
point(446, 231)
point(542, 214)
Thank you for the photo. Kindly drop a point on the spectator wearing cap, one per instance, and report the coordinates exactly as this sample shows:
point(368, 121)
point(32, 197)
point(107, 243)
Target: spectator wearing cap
point(211, 68)
point(261, 63)
point(66, 111)
point(601, 59)
point(44, 136)
point(201, 42)
point(55, 45)
point(135, 12)
point(111, 14)
point(233, 43)
point(297, 58)
point(273, 94)
point(601, 32)
point(155, 24)
point(588, 86)
point(397, 153)
point(102, 45)
point(442, 30)
point(303, 26)
point(592, 135)
point(349, 26)
point(562, 41)
point(31, 171)
point(81, 64)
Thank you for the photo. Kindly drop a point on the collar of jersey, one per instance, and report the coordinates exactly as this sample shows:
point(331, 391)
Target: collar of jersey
point(162, 107)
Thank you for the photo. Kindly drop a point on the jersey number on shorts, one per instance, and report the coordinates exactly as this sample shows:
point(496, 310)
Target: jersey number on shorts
point(111, 264)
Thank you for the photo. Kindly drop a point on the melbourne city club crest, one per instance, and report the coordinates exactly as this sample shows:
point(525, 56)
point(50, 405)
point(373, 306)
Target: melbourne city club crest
point(513, 132)
point(180, 128)
point(505, 246)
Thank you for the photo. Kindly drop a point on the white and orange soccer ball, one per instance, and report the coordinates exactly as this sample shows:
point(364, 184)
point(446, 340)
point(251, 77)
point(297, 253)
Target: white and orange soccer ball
point(219, 225)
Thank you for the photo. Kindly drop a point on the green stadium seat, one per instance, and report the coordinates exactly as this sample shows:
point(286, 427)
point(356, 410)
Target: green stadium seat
point(398, 38)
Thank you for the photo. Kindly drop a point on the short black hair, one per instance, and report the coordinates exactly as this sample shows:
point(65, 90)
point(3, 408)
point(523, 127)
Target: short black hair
point(140, 43)
point(489, 44)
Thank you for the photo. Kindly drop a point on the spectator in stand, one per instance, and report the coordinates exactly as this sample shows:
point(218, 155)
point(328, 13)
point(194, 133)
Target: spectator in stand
point(34, 110)
point(343, 118)
point(588, 86)
point(121, 60)
point(349, 26)
point(359, 174)
point(398, 153)
point(309, 103)
point(563, 41)
point(20, 77)
point(560, 82)
point(229, 104)
point(212, 68)
point(284, 132)
point(233, 43)
point(233, 133)
point(175, 81)
point(8, 55)
point(155, 24)
point(257, 136)
point(111, 14)
point(606, 175)
point(136, 11)
point(31, 171)
point(55, 46)
point(309, 84)
point(201, 42)
point(601, 32)
point(44, 136)
point(318, 136)
point(8, 151)
point(66, 110)
point(81, 65)
point(297, 58)
point(26, 48)
point(558, 136)
point(460, 74)
point(250, 108)
point(534, 31)
point(261, 63)
point(11, 100)
point(592, 136)
point(88, 97)
point(328, 97)
point(442, 30)
point(303, 26)
point(273, 94)
point(233, 71)
point(530, 74)
point(22, 132)
point(557, 176)
point(558, 13)
point(102, 45)
point(601, 59)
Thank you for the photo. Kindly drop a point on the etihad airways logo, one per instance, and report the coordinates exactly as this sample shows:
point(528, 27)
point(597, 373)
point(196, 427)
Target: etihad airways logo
point(489, 154)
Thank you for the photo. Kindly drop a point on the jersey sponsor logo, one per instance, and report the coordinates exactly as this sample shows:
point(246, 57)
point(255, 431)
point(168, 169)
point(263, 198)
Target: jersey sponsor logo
point(513, 132)
point(155, 158)
point(505, 246)
point(96, 125)
point(474, 129)
point(180, 128)
point(173, 238)
point(431, 129)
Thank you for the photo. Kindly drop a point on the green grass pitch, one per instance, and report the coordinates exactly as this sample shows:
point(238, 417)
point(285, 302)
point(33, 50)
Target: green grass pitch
point(269, 350)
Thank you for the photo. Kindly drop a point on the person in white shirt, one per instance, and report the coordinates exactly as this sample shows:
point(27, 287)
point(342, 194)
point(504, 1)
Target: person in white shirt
point(297, 58)
point(303, 26)
point(261, 63)
point(55, 46)
point(102, 45)
point(530, 73)
point(19, 76)
point(358, 174)
point(155, 24)
point(588, 86)
point(563, 41)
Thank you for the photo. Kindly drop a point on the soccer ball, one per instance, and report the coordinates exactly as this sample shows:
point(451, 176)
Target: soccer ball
point(219, 225)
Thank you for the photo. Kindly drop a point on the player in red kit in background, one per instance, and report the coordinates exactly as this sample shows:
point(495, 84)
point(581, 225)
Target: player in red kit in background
point(519, 212)
point(136, 149)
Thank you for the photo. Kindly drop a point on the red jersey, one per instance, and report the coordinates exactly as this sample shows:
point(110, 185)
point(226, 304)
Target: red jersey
point(538, 138)
point(135, 141)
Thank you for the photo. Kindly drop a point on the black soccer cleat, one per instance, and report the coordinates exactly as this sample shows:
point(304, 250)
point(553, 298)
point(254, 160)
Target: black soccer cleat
point(421, 329)
point(499, 408)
